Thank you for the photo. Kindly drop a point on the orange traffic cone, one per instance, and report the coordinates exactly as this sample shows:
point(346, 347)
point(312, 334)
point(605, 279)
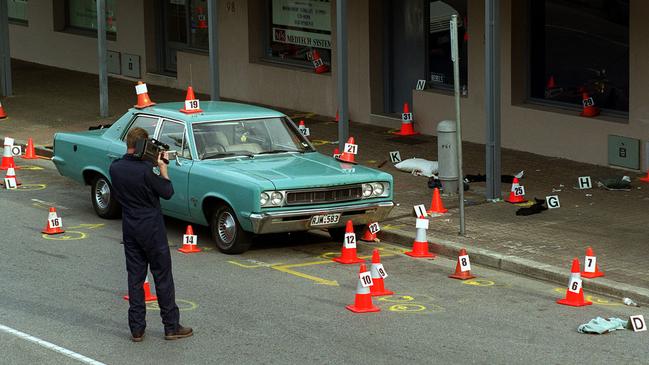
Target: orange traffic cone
point(190, 241)
point(337, 152)
point(10, 181)
point(462, 262)
point(368, 236)
point(591, 268)
point(191, 103)
point(7, 157)
point(574, 293)
point(551, 84)
point(348, 252)
point(148, 296)
point(646, 178)
point(436, 204)
point(143, 100)
point(318, 64)
point(513, 198)
point(347, 156)
point(407, 128)
point(337, 116)
point(590, 110)
point(378, 273)
point(3, 114)
point(363, 300)
point(30, 152)
point(420, 246)
point(54, 223)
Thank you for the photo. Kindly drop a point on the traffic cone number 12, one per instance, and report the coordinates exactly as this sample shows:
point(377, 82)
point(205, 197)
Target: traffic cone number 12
point(575, 285)
point(350, 240)
point(190, 239)
point(465, 264)
point(55, 222)
point(589, 265)
point(366, 279)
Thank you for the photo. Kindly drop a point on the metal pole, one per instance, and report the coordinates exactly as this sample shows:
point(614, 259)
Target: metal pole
point(492, 99)
point(341, 61)
point(102, 58)
point(5, 53)
point(458, 120)
point(212, 27)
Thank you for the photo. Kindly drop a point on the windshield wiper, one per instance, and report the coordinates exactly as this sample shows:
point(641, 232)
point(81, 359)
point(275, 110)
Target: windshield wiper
point(228, 154)
point(278, 151)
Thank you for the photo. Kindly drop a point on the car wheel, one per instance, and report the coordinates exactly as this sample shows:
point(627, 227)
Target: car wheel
point(103, 199)
point(226, 231)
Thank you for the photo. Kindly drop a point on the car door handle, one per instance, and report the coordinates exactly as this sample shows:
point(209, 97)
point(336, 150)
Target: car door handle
point(112, 157)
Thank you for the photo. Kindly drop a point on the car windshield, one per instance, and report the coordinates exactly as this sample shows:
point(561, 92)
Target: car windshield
point(248, 138)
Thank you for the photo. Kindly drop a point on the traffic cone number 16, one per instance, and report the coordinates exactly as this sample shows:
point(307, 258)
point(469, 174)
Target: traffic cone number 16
point(55, 223)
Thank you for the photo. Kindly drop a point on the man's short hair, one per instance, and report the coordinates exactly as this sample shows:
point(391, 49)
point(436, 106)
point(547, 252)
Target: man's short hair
point(134, 135)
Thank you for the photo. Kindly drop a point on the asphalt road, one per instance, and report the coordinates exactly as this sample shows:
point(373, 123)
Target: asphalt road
point(282, 302)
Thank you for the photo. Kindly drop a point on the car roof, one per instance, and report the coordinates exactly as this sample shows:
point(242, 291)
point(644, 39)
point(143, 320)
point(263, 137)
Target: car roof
point(212, 111)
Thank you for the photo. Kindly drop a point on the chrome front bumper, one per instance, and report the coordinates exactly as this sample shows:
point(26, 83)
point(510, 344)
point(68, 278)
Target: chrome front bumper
point(300, 220)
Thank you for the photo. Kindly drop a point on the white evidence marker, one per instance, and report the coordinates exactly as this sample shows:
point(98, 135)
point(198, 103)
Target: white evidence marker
point(585, 182)
point(589, 263)
point(351, 148)
point(366, 279)
point(350, 240)
point(190, 239)
point(420, 211)
point(638, 323)
point(395, 156)
point(553, 201)
point(192, 104)
point(575, 285)
point(381, 270)
point(422, 223)
point(519, 190)
point(374, 227)
point(465, 263)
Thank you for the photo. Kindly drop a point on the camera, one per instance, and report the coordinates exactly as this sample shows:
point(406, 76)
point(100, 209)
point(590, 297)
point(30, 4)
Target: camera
point(149, 149)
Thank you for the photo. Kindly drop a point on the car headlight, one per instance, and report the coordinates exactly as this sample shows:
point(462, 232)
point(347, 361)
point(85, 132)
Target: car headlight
point(367, 190)
point(377, 189)
point(263, 198)
point(276, 198)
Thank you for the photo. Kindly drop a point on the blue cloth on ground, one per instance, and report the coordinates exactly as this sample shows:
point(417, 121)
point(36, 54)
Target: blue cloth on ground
point(601, 325)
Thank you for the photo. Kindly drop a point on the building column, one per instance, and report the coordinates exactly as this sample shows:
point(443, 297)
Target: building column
point(102, 58)
point(492, 98)
point(341, 72)
point(212, 25)
point(5, 53)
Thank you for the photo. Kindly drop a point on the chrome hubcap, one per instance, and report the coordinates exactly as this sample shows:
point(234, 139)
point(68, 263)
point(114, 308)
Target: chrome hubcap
point(226, 227)
point(102, 194)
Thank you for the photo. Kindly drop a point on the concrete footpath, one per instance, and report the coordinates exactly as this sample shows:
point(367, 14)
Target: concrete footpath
point(48, 100)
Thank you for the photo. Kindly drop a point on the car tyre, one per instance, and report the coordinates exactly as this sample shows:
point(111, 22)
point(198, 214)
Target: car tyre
point(103, 199)
point(227, 233)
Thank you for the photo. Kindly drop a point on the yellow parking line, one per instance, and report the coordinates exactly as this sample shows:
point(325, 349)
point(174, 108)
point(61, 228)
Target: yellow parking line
point(287, 269)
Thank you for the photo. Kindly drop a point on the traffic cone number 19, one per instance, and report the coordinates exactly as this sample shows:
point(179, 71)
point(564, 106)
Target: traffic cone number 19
point(366, 279)
point(350, 240)
point(465, 264)
point(575, 285)
point(55, 222)
point(589, 265)
point(189, 239)
point(192, 104)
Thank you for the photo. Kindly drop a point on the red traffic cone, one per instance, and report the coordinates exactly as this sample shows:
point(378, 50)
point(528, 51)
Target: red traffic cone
point(143, 100)
point(336, 152)
point(368, 236)
point(407, 128)
point(54, 223)
point(348, 252)
point(420, 246)
point(436, 204)
point(574, 293)
point(363, 300)
point(347, 156)
point(10, 181)
point(301, 125)
point(3, 114)
point(30, 152)
point(459, 274)
point(551, 84)
point(202, 18)
point(590, 263)
point(646, 178)
point(148, 296)
point(337, 116)
point(590, 110)
point(7, 157)
point(318, 65)
point(190, 242)
point(513, 198)
point(192, 105)
point(378, 272)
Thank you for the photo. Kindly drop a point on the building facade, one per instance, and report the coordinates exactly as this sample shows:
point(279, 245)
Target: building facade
point(554, 54)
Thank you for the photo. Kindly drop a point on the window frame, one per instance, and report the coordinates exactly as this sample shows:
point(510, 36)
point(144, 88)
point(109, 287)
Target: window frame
point(162, 122)
point(88, 32)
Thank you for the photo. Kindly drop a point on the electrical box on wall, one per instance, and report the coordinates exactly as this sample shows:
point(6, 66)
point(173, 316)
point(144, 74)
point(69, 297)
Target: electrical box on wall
point(624, 152)
point(114, 64)
point(131, 65)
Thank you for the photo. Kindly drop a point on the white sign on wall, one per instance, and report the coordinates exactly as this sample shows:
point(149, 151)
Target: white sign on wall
point(302, 22)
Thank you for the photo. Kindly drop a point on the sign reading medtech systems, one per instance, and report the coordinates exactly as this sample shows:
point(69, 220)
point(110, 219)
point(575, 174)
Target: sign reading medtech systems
point(302, 22)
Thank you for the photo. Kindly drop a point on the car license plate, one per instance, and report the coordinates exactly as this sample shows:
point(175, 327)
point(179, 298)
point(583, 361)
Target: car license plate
point(323, 219)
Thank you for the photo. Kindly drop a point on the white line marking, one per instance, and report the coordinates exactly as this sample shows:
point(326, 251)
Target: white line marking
point(50, 346)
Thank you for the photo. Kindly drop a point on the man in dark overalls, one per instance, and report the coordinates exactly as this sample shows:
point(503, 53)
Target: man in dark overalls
point(138, 189)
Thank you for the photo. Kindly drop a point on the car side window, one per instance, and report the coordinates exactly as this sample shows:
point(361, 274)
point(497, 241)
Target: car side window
point(148, 123)
point(173, 134)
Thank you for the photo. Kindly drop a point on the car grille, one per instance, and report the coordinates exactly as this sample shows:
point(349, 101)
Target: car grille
point(322, 196)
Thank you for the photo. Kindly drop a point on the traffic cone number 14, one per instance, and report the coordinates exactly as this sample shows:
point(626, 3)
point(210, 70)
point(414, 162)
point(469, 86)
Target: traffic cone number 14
point(189, 239)
point(350, 240)
point(366, 279)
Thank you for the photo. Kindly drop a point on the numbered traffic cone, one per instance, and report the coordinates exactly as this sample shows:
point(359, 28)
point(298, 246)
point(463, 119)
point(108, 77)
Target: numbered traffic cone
point(30, 152)
point(301, 125)
point(3, 114)
point(148, 296)
point(575, 299)
point(7, 157)
point(551, 84)
point(190, 241)
point(646, 178)
point(337, 152)
point(590, 110)
point(459, 274)
point(191, 103)
point(348, 252)
point(54, 223)
point(378, 272)
point(143, 100)
point(588, 265)
point(407, 128)
point(436, 204)
point(513, 198)
point(368, 236)
point(318, 65)
point(420, 246)
point(10, 181)
point(363, 300)
point(347, 156)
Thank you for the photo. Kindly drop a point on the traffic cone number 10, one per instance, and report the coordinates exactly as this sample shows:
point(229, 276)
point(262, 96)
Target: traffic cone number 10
point(366, 279)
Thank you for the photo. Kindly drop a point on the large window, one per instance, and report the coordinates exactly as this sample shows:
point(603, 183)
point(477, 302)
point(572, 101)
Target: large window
point(82, 15)
point(579, 47)
point(297, 29)
point(17, 11)
point(439, 43)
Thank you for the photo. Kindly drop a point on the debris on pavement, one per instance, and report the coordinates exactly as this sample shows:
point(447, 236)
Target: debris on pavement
point(536, 208)
point(630, 302)
point(615, 184)
point(418, 166)
point(599, 325)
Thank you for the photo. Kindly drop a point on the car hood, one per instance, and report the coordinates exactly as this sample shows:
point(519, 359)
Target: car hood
point(309, 170)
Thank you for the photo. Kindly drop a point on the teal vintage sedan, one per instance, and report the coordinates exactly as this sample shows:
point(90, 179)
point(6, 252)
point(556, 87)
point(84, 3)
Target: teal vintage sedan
point(240, 169)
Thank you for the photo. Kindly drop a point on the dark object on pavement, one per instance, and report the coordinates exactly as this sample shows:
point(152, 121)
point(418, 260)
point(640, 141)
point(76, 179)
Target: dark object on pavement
point(435, 182)
point(615, 183)
point(180, 332)
point(481, 178)
point(381, 164)
point(536, 208)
